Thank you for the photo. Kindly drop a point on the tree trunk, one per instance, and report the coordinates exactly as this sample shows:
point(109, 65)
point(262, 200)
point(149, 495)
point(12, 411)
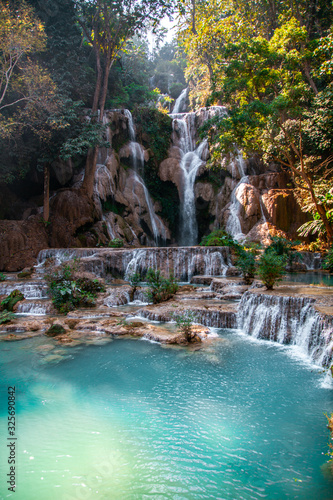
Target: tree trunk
point(46, 209)
point(309, 77)
point(89, 172)
point(90, 168)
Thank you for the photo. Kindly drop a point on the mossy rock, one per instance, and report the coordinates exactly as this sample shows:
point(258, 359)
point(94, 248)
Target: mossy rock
point(9, 302)
point(55, 330)
point(25, 274)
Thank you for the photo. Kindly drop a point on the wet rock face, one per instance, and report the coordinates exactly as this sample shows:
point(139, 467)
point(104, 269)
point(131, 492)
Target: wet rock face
point(20, 243)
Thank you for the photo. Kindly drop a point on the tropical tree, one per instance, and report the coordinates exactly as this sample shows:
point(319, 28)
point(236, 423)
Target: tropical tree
point(107, 26)
point(272, 84)
point(21, 33)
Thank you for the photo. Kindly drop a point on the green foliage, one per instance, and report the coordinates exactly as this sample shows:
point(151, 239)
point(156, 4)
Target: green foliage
point(3, 277)
point(258, 59)
point(282, 246)
point(328, 261)
point(246, 262)
point(116, 243)
point(13, 298)
point(69, 291)
point(219, 238)
point(184, 323)
point(6, 317)
point(271, 268)
point(160, 288)
point(134, 279)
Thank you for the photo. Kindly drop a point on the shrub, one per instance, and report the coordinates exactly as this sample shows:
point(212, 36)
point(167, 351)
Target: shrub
point(68, 291)
point(116, 243)
point(271, 268)
point(184, 323)
point(282, 246)
point(246, 262)
point(219, 238)
point(134, 279)
point(161, 289)
point(3, 277)
point(6, 317)
point(9, 302)
point(328, 261)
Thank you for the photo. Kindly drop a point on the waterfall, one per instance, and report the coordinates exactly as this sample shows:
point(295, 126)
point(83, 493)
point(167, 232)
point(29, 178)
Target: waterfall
point(192, 158)
point(180, 102)
point(233, 225)
point(288, 320)
point(30, 290)
point(137, 153)
point(183, 263)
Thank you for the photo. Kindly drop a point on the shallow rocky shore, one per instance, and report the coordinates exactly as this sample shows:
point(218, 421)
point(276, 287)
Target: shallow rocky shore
point(290, 314)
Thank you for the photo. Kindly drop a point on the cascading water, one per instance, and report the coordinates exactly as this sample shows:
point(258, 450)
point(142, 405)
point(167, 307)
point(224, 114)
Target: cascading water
point(288, 320)
point(137, 154)
point(192, 157)
point(233, 225)
point(180, 102)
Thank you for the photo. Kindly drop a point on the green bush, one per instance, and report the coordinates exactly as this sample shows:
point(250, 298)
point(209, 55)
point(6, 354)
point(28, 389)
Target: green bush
point(9, 302)
point(184, 323)
point(246, 262)
point(6, 317)
point(219, 238)
point(271, 268)
point(134, 279)
point(68, 291)
point(328, 261)
point(160, 289)
point(116, 243)
point(3, 277)
point(282, 246)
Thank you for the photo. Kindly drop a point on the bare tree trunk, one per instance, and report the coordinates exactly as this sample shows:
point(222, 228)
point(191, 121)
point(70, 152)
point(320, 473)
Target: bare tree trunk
point(46, 208)
point(309, 77)
point(90, 168)
point(194, 31)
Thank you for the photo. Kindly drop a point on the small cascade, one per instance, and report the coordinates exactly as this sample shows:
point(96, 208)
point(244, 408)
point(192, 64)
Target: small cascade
point(180, 103)
point(34, 308)
point(59, 255)
point(30, 290)
point(288, 320)
point(312, 260)
point(233, 225)
point(137, 154)
point(104, 184)
point(182, 262)
point(103, 152)
point(211, 317)
point(192, 158)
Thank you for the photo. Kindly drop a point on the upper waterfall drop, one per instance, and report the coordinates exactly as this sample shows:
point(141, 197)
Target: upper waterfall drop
point(137, 152)
point(193, 156)
point(180, 102)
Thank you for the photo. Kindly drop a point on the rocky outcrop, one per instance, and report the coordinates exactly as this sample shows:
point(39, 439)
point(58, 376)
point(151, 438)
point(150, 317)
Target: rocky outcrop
point(20, 243)
point(183, 263)
point(122, 206)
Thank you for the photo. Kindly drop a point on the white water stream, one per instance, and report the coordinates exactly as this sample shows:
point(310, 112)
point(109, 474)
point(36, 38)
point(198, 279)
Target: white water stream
point(137, 154)
point(193, 156)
